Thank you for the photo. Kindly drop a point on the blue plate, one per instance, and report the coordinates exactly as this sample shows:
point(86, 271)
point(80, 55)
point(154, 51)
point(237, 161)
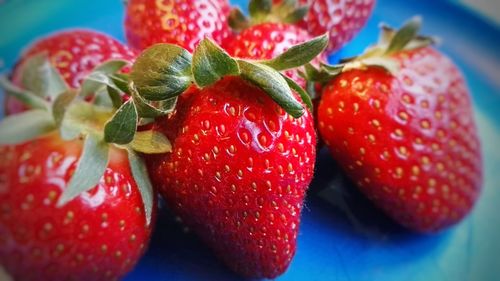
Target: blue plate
point(342, 236)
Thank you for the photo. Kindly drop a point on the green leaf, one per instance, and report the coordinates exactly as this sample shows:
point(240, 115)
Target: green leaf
point(162, 71)
point(102, 98)
point(40, 77)
point(273, 84)
point(404, 35)
point(332, 70)
point(306, 99)
point(121, 81)
point(211, 63)
point(151, 142)
point(115, 97)
point(149, 109)
point(100, 77)
point(122, 126)
point(89, 170)
point(141, 177)
point(61, 104)
point(259, 8)
point(296, 15)
point(83, 118)
point(25, 126)
point(26, 97)
point(237, 20)
point(299, 55)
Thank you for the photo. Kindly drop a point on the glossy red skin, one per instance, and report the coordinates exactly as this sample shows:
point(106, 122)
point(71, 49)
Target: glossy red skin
point(409, 140)
point(267, 41)
point(148, 22)
point(100, 235)
point(238, 173)
point(74, 53)
point(341, 18)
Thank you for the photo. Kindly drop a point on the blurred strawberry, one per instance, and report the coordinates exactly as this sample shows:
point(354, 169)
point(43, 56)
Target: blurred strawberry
point(74, 53)
point(183, 23)
point(400, 122)
point(268, 32)
point(342, 19)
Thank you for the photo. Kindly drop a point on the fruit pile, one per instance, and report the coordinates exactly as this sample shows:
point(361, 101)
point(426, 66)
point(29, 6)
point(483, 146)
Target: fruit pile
point(220, 114)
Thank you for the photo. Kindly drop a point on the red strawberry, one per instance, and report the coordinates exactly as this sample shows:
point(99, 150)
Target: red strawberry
point(238, 173)
point(266, 41)
point(100, 235)
point(342, 19)
point(74, 53)
point(184, 23)
point(269, 31)
point(408, 138)
point(78, 208)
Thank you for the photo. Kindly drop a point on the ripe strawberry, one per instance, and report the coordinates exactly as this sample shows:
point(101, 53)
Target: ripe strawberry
point(243, 148)
point(342, 19)
point(74, 53)
point(265, 37)
point(266, 41)
point(148, 22)
point(74, 205)
point(238, 173)
point(100, 235)
point(408, 138)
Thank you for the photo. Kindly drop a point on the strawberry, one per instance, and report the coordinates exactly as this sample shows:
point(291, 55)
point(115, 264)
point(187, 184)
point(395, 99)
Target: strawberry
point(74, 53)
point(267, 40)
point(238, 173)
point(100, 235)
point(76, 202)
point(268, 33)
point(148, 22)
point(342, 19)
point(407, 137)
point(243, 150)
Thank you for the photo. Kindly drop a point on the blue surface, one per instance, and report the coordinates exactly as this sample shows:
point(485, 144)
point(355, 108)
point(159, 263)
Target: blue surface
point(342, 236)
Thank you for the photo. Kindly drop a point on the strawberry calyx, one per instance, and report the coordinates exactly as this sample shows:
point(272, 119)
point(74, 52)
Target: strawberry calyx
point(164, 71)
point(391, 42)
point(263, 11)
point(103, 122)
point(98, 114)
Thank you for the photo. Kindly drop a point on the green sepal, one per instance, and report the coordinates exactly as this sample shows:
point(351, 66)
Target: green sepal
point(151, 142)
point(26, 97)
point(140, 174)
point(61, 104)
point(149, 109)
point(115, 97)
point(259, 8)
point(264, 11)
point(306, 99)
point(299, 55)
point(100, 77)
point(82, 118)
point(237, 20)
point(120, 129)
point(25, 126)
point(162, 71)
point(121, 81)
point(311, 90)
point(211, 63)
point(41, 78)
point(102, 98)
point(273, 84)
point(296, 15)
point(89, 170)
point(405, 35)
